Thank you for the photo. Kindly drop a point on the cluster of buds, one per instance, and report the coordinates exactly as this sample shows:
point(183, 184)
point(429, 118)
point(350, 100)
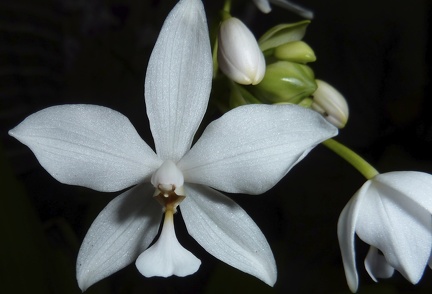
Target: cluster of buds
point(274, 69)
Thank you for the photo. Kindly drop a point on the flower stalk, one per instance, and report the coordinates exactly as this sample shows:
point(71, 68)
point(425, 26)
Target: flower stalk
point(227, 6)
point(365, 168)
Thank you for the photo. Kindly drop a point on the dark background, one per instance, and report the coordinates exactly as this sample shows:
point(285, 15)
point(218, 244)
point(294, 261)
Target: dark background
point(95, 51)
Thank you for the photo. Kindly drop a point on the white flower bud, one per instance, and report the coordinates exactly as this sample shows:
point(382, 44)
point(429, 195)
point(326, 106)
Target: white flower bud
point(239, 55)
point(330, 103)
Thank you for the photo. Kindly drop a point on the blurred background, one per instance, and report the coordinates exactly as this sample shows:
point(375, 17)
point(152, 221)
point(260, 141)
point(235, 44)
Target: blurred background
point(95, 51)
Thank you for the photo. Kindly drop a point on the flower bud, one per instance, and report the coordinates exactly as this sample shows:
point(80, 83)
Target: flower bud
point(330, 103)
point(297, 51)
point(239, 55)
point(286, 81)
point(282, 34)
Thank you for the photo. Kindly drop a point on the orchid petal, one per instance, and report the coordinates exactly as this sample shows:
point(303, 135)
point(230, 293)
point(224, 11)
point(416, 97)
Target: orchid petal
point(178, 80)
point(225, 230)
point(167, 257)
point(88, 145)
point(415, 185)
point(346, 235)
point(377, 266)
point(124, 229)
point(397, 226)
point(250, 148)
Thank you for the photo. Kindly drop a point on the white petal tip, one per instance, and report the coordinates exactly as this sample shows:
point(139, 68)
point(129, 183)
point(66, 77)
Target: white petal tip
point(307, 14)
point(84, 282)
point(353, 288)
point(352, 281)
point(377, 266)
point(271, 281)
point(83, 286)
point(263, 5)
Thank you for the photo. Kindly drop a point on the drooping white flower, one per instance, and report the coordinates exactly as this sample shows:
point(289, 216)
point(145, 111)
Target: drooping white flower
point(265, 7)
point(247, 150)
point(392, 213)
point(239, 55)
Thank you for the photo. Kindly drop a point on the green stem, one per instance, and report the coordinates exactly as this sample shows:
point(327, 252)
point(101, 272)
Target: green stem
point(225, 13)
point(227, 6)
point(214, 57)
point(367, 170)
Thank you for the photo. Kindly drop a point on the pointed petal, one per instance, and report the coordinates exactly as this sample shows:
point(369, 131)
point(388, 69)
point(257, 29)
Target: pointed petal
point(178, 80)
point(263, 5)
point(303, 12)
point(376, 265)
point(225, 230)
point(346, 235)
point(123, 230)
point(167, 257)
point(414, 185)
point(250, 148)
point(397, 226)
point(88, 145)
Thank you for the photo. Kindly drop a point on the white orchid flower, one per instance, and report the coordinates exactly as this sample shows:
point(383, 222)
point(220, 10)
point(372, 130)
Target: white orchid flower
point(392, 213)
point(247, 150)
point(265, 7)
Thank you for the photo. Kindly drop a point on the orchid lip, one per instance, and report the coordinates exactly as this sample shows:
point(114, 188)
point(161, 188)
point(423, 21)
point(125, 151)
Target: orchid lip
point(167, 256)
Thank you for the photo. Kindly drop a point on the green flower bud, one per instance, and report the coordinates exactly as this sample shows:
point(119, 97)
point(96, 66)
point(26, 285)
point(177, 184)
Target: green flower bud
point(330, 103)
point(282, 34)
point(285, 81)
point(297, 51)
